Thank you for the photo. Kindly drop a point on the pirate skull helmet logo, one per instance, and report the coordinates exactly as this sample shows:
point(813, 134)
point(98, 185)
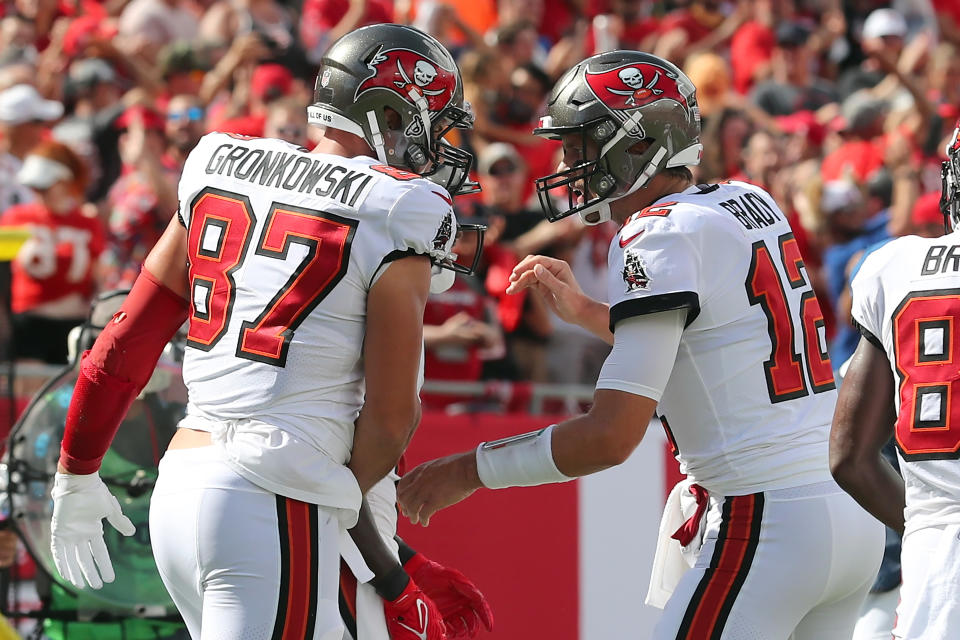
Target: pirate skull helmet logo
point(424, 73)
point(632, 77)
point(422, 82)
point(634, 85)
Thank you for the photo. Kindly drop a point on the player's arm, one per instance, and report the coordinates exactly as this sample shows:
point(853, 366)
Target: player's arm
point(553, 280)
point(111, 375)
point(628, 389)
point(410, 614)
point(391, 352)
point(862, 423)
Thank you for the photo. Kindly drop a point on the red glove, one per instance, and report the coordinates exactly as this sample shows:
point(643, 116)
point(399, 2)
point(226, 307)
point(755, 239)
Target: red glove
point(413, 616)
point(461, 603)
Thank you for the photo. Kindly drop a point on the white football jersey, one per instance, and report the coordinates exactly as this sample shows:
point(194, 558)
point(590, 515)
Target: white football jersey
point(750, 398)
point(284, 246)
point(906, 298)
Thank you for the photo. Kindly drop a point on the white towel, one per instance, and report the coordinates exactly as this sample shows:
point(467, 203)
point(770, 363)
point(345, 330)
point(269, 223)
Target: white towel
point(672, 559)
point(371, 622)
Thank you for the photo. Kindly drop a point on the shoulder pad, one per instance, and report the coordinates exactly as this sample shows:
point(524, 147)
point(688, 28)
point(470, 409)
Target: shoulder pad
point(421, 220)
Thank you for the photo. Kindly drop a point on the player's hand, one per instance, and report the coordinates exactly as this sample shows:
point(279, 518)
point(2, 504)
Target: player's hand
point(413, 616)
point(460, 602)
point(80, 502)
point(437, 484)
point(553, 280)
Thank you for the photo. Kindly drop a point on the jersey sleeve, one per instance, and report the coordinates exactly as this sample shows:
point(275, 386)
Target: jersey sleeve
point(654, 266)
point(421, 221)
point(867, 294)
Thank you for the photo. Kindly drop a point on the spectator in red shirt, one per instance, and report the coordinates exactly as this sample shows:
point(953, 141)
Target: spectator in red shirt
point(53, 274)
point(861, 153)
point(142, 201)
point(460, 332)
point(752, 46)
point(324, 21)
point(270, 82)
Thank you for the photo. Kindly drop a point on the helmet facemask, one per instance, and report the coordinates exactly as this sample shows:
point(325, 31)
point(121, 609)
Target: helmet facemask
point(950, 184)
point(446, 262)
point(449, 166)
point(597, 180)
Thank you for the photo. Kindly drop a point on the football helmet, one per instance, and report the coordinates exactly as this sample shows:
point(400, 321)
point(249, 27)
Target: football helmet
point(950, 179)
point(612, 101)
point(400, 90)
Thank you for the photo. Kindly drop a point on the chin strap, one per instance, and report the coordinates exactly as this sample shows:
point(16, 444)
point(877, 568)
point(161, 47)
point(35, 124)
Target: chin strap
point(377, 137)
point(602, 209)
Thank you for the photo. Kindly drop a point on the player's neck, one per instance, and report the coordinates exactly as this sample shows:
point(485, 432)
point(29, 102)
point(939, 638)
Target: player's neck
point(341, 143)
point(659, 186)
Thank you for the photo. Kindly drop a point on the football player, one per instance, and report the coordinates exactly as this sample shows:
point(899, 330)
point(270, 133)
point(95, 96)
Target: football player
point(902, 381)
point(714, 327)
point(303, 275)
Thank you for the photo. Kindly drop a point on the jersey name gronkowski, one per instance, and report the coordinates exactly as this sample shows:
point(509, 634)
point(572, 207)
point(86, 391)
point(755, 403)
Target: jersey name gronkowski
point(906, 298)
point(750, 398)
point(283, 247)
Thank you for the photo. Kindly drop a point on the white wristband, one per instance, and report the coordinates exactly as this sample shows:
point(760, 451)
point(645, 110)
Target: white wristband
point(521, 461)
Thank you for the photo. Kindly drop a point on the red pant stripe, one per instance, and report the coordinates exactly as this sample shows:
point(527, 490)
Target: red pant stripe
point(714, 597)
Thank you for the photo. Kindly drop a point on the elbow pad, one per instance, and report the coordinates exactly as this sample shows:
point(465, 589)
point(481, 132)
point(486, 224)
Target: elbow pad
point(114, 371)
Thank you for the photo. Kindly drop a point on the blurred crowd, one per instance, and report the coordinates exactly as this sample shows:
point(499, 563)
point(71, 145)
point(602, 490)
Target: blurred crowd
point(840, 108)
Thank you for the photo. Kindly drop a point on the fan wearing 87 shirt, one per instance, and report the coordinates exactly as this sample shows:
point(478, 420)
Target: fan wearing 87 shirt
point(53, 274)
point(903, 380)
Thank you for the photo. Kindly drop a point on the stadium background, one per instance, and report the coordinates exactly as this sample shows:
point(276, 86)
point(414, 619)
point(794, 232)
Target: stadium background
point(840, 108)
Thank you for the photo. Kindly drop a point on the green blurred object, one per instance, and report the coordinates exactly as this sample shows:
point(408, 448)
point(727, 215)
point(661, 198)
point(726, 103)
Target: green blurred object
point(135, 605)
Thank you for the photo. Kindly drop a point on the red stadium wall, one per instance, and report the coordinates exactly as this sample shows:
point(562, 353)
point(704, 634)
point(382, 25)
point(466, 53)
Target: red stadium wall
point(519, 546)
point(564, 562)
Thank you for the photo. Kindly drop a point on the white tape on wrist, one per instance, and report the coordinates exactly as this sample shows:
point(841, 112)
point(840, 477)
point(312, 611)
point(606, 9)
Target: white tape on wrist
point(521, 461)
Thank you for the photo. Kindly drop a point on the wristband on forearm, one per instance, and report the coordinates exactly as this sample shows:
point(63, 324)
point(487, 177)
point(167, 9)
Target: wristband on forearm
point(390, 585)
point(521, 461)
point(405, 550)
point(116, 368)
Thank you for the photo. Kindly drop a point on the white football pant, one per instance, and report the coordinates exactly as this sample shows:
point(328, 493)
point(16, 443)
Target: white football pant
point(242, 563)
point(785, 564)
point(929, 606)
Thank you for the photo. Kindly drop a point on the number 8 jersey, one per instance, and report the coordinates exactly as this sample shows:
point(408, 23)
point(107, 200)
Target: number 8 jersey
point(283, 247)
point(906, 301)
point(748, 403)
